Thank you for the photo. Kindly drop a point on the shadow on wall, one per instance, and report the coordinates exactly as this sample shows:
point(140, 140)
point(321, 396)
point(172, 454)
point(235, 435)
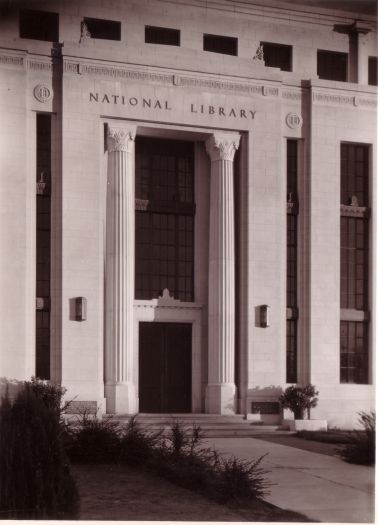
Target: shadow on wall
point(263, 405)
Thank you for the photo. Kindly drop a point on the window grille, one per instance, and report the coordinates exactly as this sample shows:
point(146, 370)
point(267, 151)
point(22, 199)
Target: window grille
point(354, 263)
point(164, 218)
point(292, 261)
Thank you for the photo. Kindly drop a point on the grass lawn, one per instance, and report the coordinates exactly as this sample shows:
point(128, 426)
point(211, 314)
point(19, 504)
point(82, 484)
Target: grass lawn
point(109, 492)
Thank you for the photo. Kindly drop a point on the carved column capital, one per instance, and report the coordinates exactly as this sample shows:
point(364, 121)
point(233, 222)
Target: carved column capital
point(222, 146)
point(120, 138)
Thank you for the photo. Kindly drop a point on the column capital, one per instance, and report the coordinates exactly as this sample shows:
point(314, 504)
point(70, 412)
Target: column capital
point(120, 137)
point(222, 146)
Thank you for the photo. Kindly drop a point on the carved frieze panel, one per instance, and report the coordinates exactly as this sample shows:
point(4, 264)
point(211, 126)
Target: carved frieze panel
point(12, 60)
point(246, 88)
point(346, 100)
point(37, 65)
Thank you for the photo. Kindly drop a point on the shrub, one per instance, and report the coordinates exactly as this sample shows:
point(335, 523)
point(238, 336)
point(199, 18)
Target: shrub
point(93, 440)
point(137, 447)
point(298, 399)
point(239, 479)
point(183, 461)
point(50, 394)
point(35, 479)
point(361, 445)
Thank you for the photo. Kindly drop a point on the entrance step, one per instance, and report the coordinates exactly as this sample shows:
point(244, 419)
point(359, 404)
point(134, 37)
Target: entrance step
point(212, 425)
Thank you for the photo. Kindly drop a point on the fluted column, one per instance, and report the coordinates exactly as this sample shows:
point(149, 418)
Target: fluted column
point(220, 392)
point(119, 271)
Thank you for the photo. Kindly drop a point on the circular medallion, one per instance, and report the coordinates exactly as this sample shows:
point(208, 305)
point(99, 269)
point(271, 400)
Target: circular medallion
point(43, 93)
point(293, 120)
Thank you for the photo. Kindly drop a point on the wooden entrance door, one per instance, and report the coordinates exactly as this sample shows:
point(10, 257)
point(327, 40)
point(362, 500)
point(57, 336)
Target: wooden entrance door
point(165, 367)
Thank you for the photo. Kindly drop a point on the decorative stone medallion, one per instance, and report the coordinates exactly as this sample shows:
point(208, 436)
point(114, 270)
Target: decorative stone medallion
point(43, 93)
point(293, 120)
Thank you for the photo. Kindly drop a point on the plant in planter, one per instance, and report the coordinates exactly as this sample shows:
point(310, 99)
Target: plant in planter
point(300, 399)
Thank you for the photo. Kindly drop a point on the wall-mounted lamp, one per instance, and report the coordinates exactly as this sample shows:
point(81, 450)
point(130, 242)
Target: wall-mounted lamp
point(264, 316)
point(80, 308)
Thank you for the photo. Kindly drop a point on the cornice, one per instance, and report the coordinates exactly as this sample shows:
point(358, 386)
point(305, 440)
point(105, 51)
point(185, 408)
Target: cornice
point(279, 11)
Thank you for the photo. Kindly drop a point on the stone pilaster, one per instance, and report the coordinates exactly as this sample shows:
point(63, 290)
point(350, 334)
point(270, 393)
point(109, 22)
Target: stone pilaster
point(119, 271)
point(220, 392)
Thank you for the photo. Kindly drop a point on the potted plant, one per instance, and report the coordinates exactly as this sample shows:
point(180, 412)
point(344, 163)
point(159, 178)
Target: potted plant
point(300, 400)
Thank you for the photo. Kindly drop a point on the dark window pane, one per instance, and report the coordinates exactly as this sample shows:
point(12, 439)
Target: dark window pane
point(43, 245)
point(333, 65)
point(291, 260)
point(165, 228)
point(161, 35)
point(103, 29)
point(373, 71)
point(291, 351)
point(220, 44)
point(278, 55)
point(354, 173)
point(353, 352)
point(39, 25)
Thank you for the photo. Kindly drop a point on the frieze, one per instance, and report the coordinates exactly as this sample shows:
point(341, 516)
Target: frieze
point(39, 66)
point(350, 100)
point(217, 84)
point(370, 102)
point(91, 69)
point(292, 95)
point(11, 60)
point(172, 79)
point(270, 91)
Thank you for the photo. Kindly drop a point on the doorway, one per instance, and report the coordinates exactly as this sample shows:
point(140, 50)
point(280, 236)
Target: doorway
point(165, 367)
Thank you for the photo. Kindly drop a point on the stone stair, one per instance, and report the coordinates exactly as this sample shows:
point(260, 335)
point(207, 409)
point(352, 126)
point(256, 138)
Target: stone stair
point(212, 425)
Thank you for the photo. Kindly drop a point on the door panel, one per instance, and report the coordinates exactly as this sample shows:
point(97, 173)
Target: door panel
point(165, 374)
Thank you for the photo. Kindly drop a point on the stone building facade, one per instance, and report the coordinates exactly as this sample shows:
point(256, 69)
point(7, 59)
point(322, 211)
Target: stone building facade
point(187, 203)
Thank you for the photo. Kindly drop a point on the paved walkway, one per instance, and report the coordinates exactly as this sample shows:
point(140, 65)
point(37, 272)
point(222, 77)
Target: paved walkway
point(322, 487)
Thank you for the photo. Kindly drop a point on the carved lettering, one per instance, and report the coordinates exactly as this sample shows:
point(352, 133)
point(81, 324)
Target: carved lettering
point(149, 103)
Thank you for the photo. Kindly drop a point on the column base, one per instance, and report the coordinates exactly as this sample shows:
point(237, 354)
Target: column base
point(121, 398)
point(220, 398)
